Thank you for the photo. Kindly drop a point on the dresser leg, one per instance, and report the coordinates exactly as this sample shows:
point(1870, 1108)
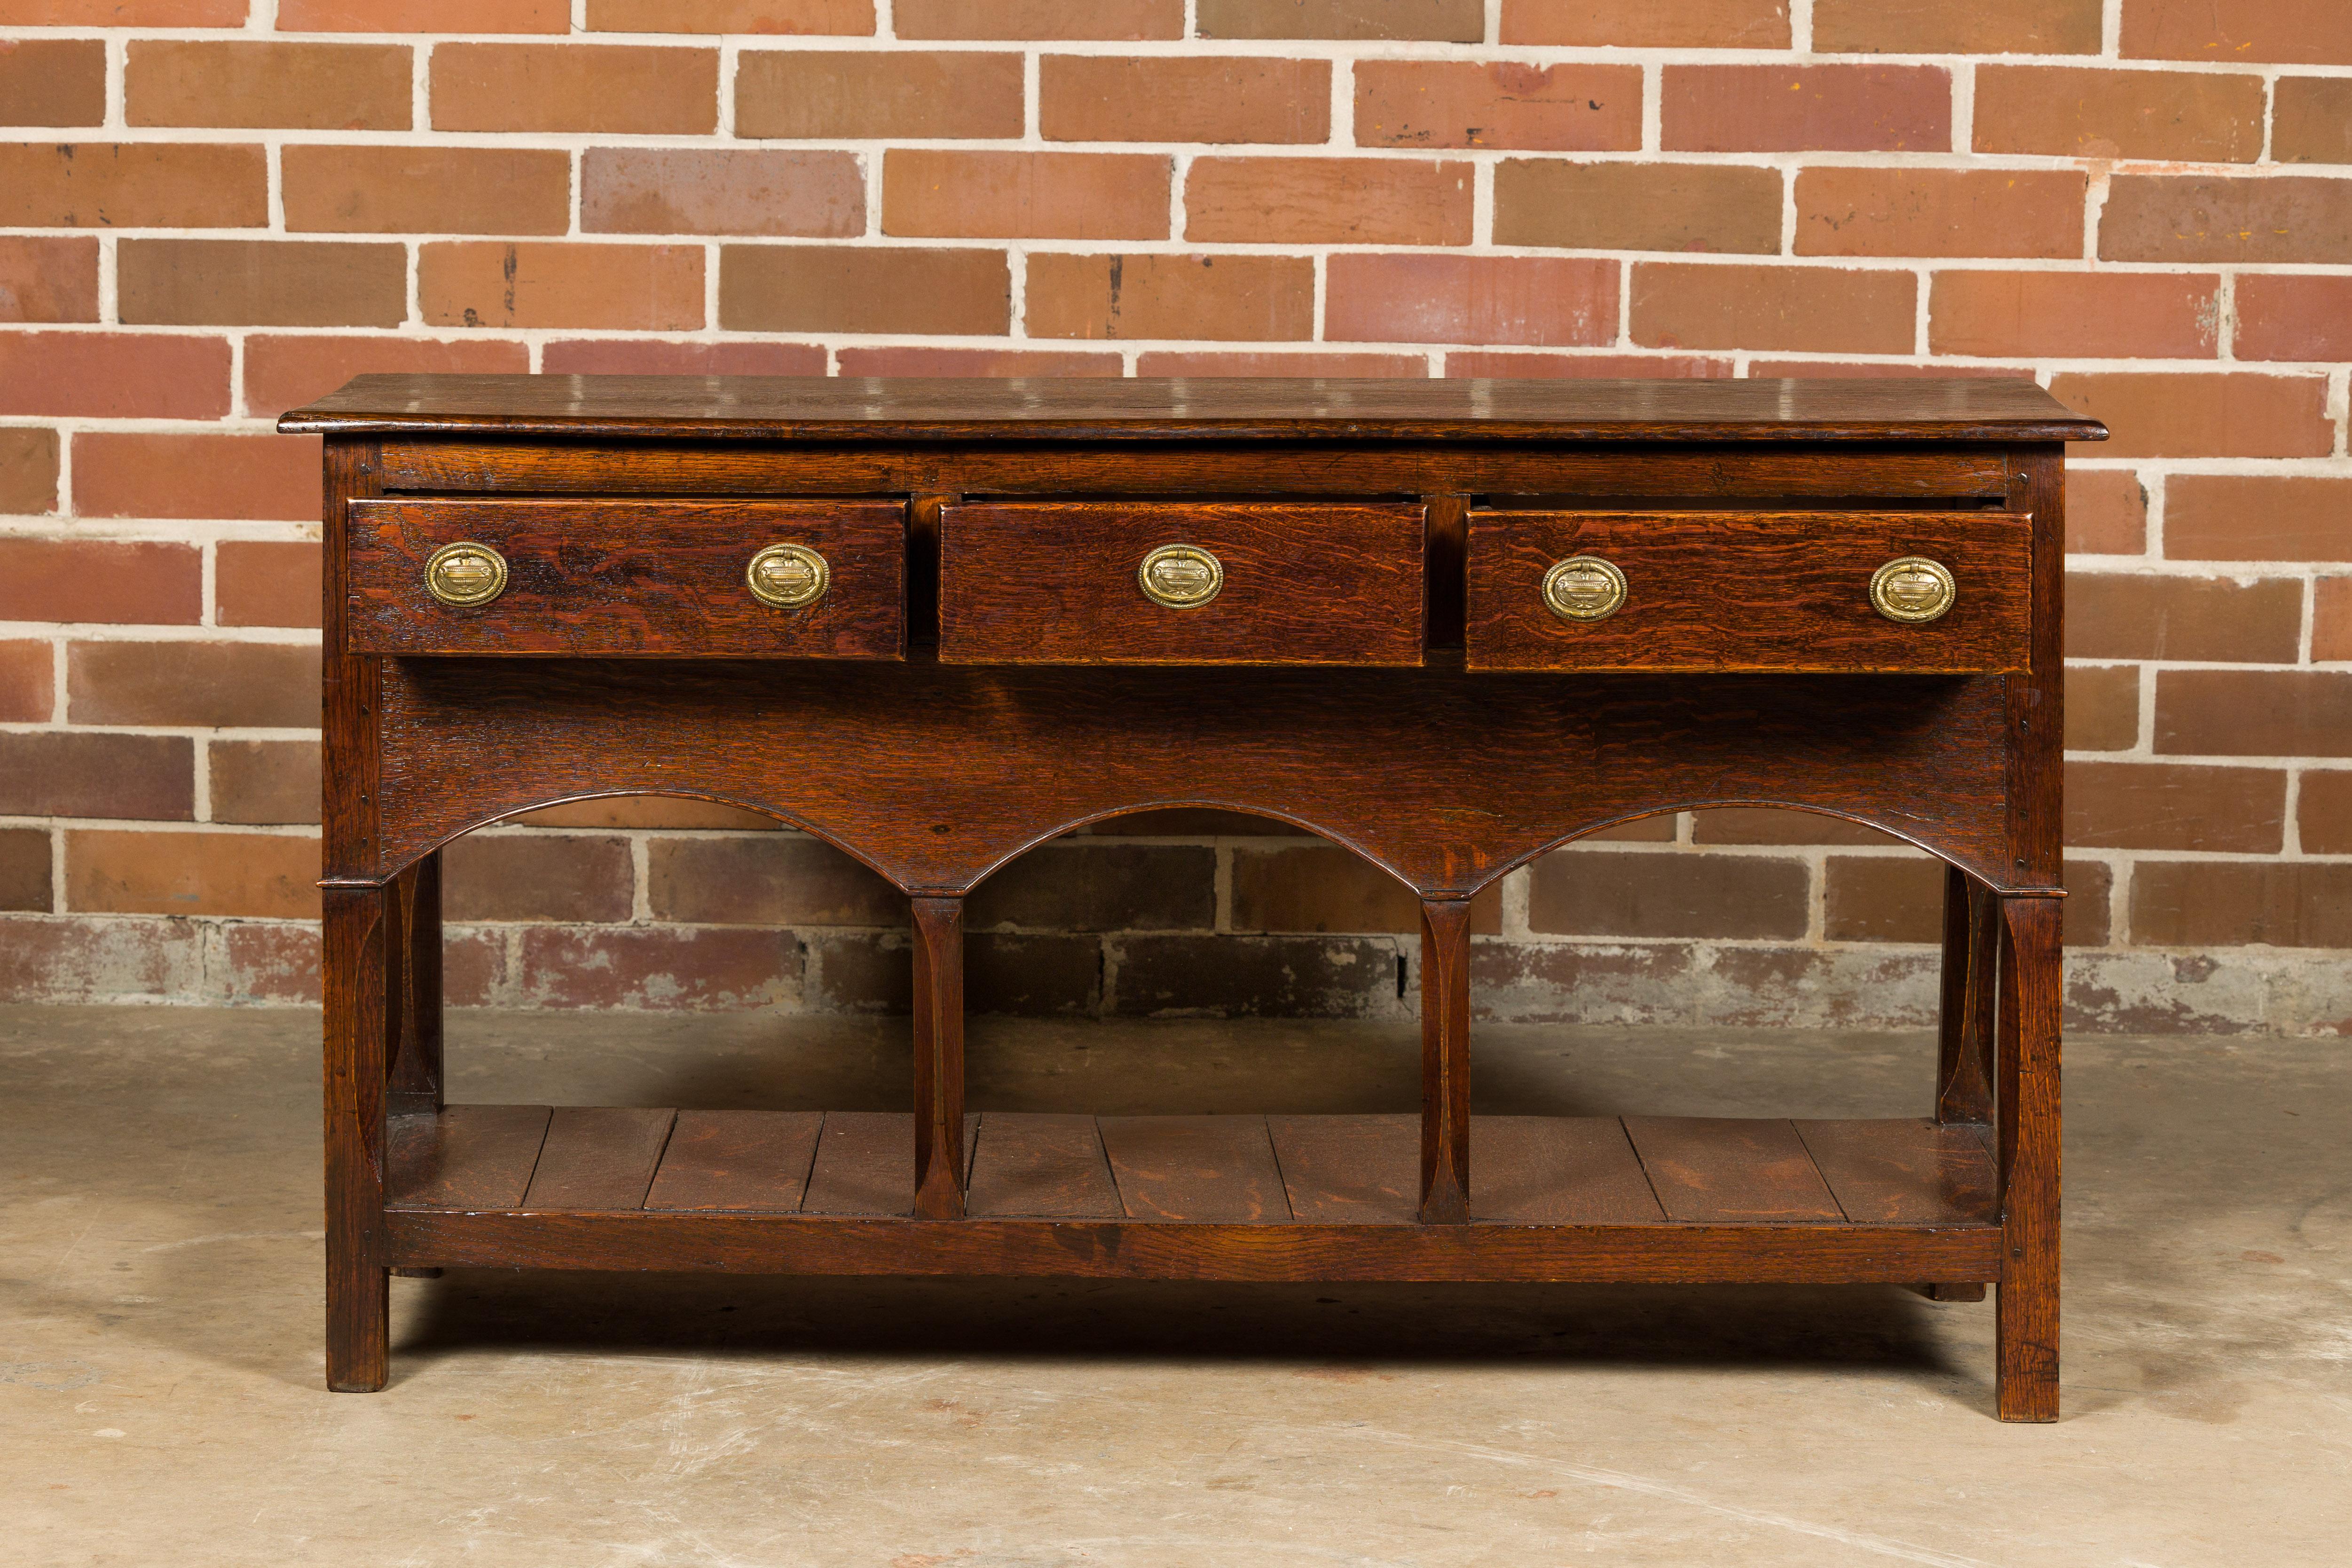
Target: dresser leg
point(356, 957)
point(1445, 1061)
point(938, 1058)
point(416, 1083)
point(1971, 975)
point(2032, 989)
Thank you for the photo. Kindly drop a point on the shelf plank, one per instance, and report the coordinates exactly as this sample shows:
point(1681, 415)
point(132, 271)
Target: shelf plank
point(1558, 1170)
point(722, 1162)
point(866, 1163)
point(1041, 1166)
point(1905, 1172)
point(467, 1157)
point(1714, 1170)
point(1359, 1169)
point(598, 1157)
point(1203, 1168)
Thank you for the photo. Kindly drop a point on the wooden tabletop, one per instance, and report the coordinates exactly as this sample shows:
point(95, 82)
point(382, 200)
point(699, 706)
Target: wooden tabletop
point(863, 408)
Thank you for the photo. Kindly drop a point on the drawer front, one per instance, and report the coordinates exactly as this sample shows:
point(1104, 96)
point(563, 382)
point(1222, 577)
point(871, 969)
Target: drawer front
point(629, 578)
point(1749, 590)
point(1167, 583)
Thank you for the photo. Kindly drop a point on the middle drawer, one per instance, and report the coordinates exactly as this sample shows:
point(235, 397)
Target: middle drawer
point(1180, 583)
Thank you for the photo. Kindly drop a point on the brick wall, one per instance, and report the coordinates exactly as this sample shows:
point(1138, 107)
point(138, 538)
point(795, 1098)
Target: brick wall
point(211, 210)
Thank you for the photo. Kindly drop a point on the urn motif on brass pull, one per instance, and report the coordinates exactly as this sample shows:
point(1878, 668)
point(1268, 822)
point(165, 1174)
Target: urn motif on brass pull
point(1584, 588)
point(788, 576)
point(1181, 576)
point(465, 574)
point(1912, 590)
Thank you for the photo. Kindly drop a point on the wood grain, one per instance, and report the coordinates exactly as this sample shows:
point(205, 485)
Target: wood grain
point(598, 1157)
point(866, 1163)
point(1559, 1170)
point(1360, 1170)
point(467, 1157)
point(1026, 1163)
point(1446, 1163)
point(1905, 1172)
point(1208, 1169)
point(1714, 1169)
point(2026, 1314)
point(723, 1161)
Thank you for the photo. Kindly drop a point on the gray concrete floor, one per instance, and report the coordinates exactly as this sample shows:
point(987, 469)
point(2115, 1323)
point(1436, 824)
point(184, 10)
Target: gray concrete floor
point(160, 1402)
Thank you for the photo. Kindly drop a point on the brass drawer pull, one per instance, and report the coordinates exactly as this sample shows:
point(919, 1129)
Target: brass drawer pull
point(465, 574)
point(788, 576)
point(1181, 576)
point(1912, 590)
point(1584, 588)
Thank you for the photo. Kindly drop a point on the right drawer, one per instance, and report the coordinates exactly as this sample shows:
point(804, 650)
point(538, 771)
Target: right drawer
point(1895, 592)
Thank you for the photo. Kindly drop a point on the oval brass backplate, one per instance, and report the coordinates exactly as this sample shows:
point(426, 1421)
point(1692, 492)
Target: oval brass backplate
point(1912, 590)
point(465, 574)
point(788, 576)
point(1181, 576)
point(1584, 588)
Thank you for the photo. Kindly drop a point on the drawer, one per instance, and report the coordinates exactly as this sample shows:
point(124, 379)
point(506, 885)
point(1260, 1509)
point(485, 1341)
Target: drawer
point(628, 578)
point(1792, 590)
point(1170, 583)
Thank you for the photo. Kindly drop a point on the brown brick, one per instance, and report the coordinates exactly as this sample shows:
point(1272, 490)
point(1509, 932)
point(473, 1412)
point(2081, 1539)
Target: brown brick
point(260, 875)
point(1601, 893)
point(114, 375)
point(1883, 898)
point(1253, 363)
point(25, 869)
point(427, 190)
point(1763, 824)
point(2074, 315)
point(1816, 310)
point(261, 283)
point(2247, 517)
point(2107, 512)
point(2157, 805)
point(267, 686)
point(1941, 212)
point(2183, 620)
point(646, 811)
point(697, 970)
point(759, 16)
point(1224, 299)
point(1323, 888)
point(2069, 112)
point(1037, 18)
point(44, 959)
point(840, 95)
point(773, 878)
point(665, 190)
point(1327, 200)
point(147, 184)
point(910, 359)
point(864, 289)
point(2331, 619)
point(1500, 103)
point(206, 475)
point(1637, 206)
point(2227, 903)
point(52, 82)
point(304, 87)
point(100, 580)
point(1002, 196)
point(1956, 27)
point(2151, 414)
point(1098, 98)
point(610, 89)
point(45, 279)
point(260, 782)
point(260, 583)
point(122, 13)
point(283, 372)
point(1881, 369)
point(1803, 108)
point(2284, 317)
point(2101, 708)
point(2243, 32)
point(1101, 887)
point(1545, 302)
point(2253, 713)
point(2085, 920)
point(28, 470)
point(277, 962)
point(1582, 366)
point(69, 773)
point(424, 16)
point(1438, 21)
point(2311, 120)
point(1279, 976)
point(2323, 814)
point(552, 283)
point(24, 685)
point(1649, 24)
point(2198, 218)
point(646, 356)
point(537, 876)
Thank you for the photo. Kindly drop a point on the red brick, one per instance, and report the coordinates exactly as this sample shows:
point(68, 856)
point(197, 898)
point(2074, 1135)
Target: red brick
point(1941, 212)
point(2225, 903)
point(231, 685)
point(2311, 120)
point(47, 279)
point(1500, 103)
point(691, 970)
point(1100, 886)
point(307, 87)
point(146, 185)
point(1649, 24)
point(424, 16)
point(666, 190)
point(209, 475)
point(1800, 109)
point(1099, 98)
point(1818, 310)
point(956, 194)
point(2107, 512)
point(767, 17)
point(1542, 301)
point(537, 876)
point(1327, 200)
point(1883, 898)
point(1224, 298)
point(28, 469)
point(2248, 517)
point(2070, 111)
point(52, 82)
point(1775, 824)
point(2159, 805)
point(118, 581)
point(259, 583)
point(1880, 370)
point(283, 372)
point(1637, 206)
point(261, 283)
point(1604, 893)
point(257, 875)
point(2331, 620)
point(2253, 713)
point(552, 283)
point(425, 190)
point(1323, 888)
point(264, 781)
point(776, 880)
point(1249, 362)
point(2200, 414)
point(113, 375)
point(833, 94)
point(2101, 708)
point(122, 13)
point(25, 697)
point(2324, 817)
point(2074, 315)
point(1956, 27)
point(864, 289)
point(44, 959)
point(1566, 367)
point(2308, 32)
point(609, 89)
point(25, 869)
point(642, 356)
point(2192, 619)
point(1438, 21)
point(1037, 18)
point(69, 773)
point(2196, 217)
point(276, 961)
point(2282, 317)
point(912, 361)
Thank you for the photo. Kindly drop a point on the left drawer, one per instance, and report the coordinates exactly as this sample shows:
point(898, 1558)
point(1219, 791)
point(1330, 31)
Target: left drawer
point(699, 579)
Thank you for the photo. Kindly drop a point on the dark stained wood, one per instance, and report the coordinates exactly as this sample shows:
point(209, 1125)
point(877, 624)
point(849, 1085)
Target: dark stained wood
point(598, 1157)
point(1713, 1169)
point(1208, 1169)
point(466, 1157)
point(1448, 535)
point(359, 1304)
point(865, 1163)
point(1033, 1164)
point(2032, 995)
point(1964, 1024)
point(719, 1161)
point(414, 1083)
point(940, 1144)
point(1559, 1170)
point(1350, 1169)
point(1905, 1172)
point(1445, 1196)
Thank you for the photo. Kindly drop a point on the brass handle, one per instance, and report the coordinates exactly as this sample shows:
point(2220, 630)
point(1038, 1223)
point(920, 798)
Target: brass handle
point(1584, 588)
point(1912, 590)
point(465, 574)
point(1181, 576)
point(788, 576)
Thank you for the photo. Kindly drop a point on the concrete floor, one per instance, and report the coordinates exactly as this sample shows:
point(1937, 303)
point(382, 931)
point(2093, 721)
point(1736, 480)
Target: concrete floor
point(160, 1403)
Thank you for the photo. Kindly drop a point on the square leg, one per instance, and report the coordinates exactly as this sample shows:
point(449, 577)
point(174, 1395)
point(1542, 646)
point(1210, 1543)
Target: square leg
point(358, 925)
point(2032, 989)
